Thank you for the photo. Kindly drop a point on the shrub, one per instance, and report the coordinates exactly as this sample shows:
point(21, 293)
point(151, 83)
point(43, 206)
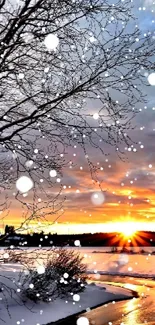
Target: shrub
point(15, 256)
point(20, 256)
point(64, 273)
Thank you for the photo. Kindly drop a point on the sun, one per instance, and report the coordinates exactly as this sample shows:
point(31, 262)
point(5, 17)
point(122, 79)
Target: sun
point(128, 233)
point(128, 230)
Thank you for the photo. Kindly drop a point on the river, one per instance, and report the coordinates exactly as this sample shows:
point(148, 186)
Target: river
point(136, 311)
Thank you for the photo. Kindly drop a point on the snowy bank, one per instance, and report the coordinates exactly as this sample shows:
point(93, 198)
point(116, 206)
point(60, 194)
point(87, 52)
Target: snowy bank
point(29, 313)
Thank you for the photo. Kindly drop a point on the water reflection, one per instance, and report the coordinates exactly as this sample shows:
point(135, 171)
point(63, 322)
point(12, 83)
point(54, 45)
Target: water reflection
point(131, 312)
point(135, 311)
point(129, 286)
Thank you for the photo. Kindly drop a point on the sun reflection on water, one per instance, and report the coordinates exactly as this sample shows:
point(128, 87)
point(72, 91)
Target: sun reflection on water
point(131, 312)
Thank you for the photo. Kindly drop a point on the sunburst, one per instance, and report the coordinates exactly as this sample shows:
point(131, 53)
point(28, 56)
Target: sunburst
point(128, 235)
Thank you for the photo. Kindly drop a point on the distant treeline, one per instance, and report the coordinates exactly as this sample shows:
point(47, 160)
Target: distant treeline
point(141, 239)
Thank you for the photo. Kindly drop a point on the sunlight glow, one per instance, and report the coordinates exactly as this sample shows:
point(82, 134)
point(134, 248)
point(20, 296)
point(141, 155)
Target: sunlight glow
point(128, 229)
point(79, 228)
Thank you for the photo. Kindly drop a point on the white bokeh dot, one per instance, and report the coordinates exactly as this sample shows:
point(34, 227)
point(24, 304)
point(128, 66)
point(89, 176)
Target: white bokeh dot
point(66, 275)
point(95, 116)
point(82, 321)
point(29, 163)
point(76, 297)
point(24, 184)
point(51, 41)
point(97, 198)
point(151, 79)
point(6, 255)
point(77, 242)
point(31, 285)
point(53, 173)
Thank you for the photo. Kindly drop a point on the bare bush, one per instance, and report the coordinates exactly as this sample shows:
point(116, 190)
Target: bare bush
point(63, 274)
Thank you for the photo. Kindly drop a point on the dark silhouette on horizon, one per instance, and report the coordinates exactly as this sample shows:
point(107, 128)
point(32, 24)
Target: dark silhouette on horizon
point(114, 239)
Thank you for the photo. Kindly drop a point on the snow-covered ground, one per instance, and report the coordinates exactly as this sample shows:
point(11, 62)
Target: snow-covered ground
point(43, 313)
point(98, 262)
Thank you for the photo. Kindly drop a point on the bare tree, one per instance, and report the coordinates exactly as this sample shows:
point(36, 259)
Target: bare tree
point(58, 58)
point(54, 58)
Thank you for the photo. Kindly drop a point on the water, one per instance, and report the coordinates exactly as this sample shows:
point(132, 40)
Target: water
point(96, 259)
point(131, 312)
point(136, 311)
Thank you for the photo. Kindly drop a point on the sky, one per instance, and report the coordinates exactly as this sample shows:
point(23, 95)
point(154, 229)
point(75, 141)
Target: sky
point(128, 186)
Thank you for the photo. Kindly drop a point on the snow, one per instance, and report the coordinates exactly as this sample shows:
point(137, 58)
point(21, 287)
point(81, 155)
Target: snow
point(97, 198)
point(53, 173)
point(151, 79)
point(51, 41)
point(24, 184)
point(82, 321)
point(98, 262)
point(43, 313)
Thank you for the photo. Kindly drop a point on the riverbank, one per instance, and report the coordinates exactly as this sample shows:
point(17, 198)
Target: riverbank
point(69, 320)
point(100, 267)
point(126, 311)
point(47, 313)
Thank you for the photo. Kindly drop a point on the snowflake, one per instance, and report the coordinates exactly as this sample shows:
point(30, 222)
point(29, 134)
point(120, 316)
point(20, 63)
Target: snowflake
point(151, 79)
point(31, 285)
point(82, 321)
point(77, 243)
point(97, 198)
point(6, 255)
point(95, 116)
point(24, 184)
point(53, 173)
point(29, 163)
point(66, 275)
point(76, 297)
point(51, 41)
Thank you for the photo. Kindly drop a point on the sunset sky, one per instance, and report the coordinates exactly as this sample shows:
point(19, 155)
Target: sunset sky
point(129, 185)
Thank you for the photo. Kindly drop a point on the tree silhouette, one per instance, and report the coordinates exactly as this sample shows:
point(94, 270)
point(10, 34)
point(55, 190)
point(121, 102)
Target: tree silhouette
point(71, 72)
point(54, 59)
point(9, 230)
point(57, 60)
